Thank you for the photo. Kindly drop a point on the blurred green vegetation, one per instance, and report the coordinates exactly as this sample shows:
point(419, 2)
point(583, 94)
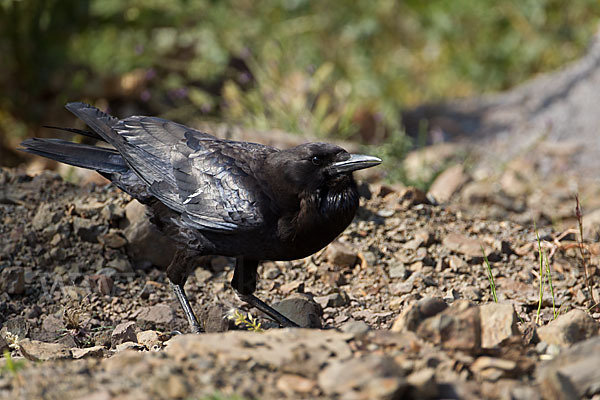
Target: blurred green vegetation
point(333, 69)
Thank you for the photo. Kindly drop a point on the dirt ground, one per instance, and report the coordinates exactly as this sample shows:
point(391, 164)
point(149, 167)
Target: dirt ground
point(399, 306)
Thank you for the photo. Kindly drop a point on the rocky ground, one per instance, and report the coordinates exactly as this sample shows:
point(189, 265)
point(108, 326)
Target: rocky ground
point(399, 306)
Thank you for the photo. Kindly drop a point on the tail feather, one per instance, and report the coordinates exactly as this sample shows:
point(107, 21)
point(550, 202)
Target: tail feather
point(100, 122)
point(80, 155)
point(91, 134)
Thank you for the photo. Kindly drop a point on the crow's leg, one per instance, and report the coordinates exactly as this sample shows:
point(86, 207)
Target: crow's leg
point(244, 282)
point(187, 308)
point(177, 272)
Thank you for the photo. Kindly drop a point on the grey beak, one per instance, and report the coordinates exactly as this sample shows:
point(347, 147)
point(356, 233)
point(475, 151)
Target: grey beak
point(354, 163)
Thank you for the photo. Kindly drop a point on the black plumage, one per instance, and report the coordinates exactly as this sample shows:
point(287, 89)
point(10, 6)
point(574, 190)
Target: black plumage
point(215, 196)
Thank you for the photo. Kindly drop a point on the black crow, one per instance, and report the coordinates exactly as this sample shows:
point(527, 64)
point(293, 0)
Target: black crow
point(215, 196)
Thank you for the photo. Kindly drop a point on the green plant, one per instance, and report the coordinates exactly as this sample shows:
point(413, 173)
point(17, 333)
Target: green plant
point(11, 365)
point(586, 275)
point(489, 274)
point(245, 320)
point(544, 273)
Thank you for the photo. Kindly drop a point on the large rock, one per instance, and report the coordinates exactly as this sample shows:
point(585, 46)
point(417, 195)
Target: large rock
point(410, 318)
point(12, 280)
point(370, 376)
point(498, 323)
point(35, 350)
point(124, 332)
point(569, 328)
point(145, 242)
point(301, 309)
point(456, 328)
point(573, 369)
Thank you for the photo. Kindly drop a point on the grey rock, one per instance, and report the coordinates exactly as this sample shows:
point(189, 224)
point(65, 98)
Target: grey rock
point(569, 328)
point(160, 314)
point(557, 386)
point(35, 350)
point(498, 323)
point(302, 310)
point(124, 332)
point(145, 242)
point(44, 217)
point(355, 327)
point(129, 346)
point(215, 320)
point(398, 270)
point(12, 280)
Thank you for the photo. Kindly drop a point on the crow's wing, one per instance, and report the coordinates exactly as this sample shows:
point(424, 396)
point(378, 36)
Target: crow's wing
point(208, 180)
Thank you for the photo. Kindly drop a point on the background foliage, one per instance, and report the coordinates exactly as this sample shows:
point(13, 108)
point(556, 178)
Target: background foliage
point(342, 69)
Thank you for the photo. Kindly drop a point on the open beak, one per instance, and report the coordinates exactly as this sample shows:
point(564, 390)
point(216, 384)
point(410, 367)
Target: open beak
point(354, 163)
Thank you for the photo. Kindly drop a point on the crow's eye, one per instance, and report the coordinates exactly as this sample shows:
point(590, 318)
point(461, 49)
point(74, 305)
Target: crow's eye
point(317, 160)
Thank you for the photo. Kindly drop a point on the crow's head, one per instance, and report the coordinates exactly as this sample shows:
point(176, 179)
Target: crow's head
point(313, 166)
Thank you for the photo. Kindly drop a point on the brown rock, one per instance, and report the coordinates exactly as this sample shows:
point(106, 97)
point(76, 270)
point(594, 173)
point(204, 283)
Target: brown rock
point(124, 332)
point(215, 320)
point(498, 323)
point(363, 374)
point(492, 369)
point(12, 280)
point(291, 384)
point(456, 328)
point(35, 350)
point(463, 244)
point(149, 339)
point(413, 315)
point(96, 352)
point(422, 384)
point(569, 328)
point(448, 182)
point(156, 315)
point(573, 369)
point(340, 254)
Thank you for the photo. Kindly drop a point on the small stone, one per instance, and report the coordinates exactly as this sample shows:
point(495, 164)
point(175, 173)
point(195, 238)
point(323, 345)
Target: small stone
point(356, 328)
point(332, 300)
point(12, 280)
point(52, 324)
point(44, 217)
point(160, 314)
point(35, 350)
point(149, 339)
point(341, 254)
point(124, 332)
point(120, 265)
point(95, 352)
point(302, 310)
point(290, 384)
point(498, 323)
point(413, 315)
point(569, 328)
point(398, 270)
